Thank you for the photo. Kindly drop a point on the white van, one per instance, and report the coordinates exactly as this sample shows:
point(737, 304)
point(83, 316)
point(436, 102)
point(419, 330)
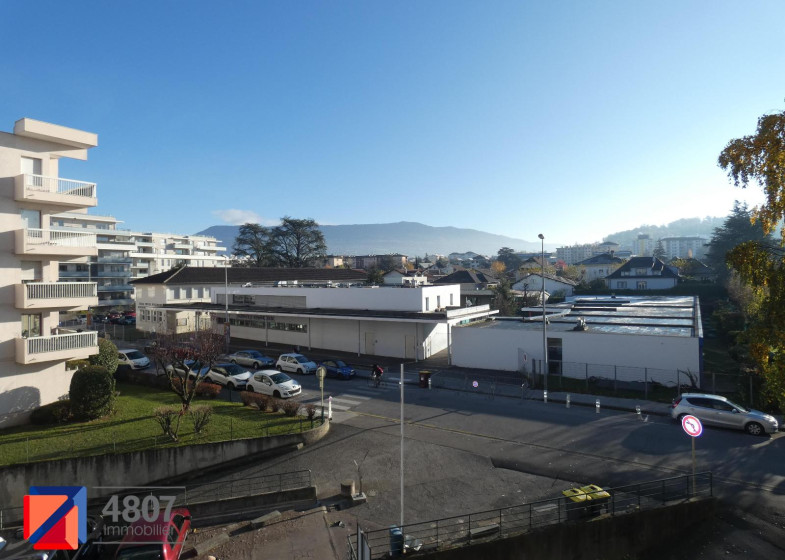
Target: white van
point(132, 358)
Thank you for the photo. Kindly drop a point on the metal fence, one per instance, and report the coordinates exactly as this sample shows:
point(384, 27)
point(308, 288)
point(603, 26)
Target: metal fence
point(11, 517)
point(501, 523)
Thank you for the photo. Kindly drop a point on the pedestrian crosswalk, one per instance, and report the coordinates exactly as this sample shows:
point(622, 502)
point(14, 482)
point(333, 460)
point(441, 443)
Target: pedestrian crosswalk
point(342, 402)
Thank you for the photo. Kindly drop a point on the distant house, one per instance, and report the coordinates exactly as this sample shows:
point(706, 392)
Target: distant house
point(476, 286)
point(403, 277)
point(533, 281)
point(642, 273)
point(529, 265)
point(599, 266)
point(696, 270)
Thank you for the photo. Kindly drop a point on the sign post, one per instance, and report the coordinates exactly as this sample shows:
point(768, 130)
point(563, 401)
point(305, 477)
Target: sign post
point(694, 429)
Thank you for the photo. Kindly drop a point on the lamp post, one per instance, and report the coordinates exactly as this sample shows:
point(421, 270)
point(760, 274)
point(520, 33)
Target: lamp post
point(226, 303)
point(542, 297)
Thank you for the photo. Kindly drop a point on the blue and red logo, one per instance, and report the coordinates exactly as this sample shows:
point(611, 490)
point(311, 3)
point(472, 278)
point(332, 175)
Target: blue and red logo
point(55, 517)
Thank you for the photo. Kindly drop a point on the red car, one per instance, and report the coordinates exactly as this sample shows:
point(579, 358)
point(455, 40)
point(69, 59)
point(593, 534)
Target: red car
point(156, 540)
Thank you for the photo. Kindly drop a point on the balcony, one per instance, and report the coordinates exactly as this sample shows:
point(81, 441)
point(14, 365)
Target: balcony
point(116, 288)
point(61, 243)
point(38, 349)
point(55, 191)
point(56, 295)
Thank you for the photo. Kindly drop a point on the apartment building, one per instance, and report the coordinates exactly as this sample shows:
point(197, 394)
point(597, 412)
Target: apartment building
point(125, 255)
point(33, 351)
point(690, 247)
point(576, 253)
point(644, 245)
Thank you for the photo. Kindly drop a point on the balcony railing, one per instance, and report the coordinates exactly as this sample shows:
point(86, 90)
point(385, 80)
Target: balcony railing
point(58, 347)
point(42, 295)
point(55, 242)
point(55, 190)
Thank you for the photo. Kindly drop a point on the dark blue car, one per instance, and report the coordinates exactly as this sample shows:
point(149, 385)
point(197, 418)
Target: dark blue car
point(338, 368)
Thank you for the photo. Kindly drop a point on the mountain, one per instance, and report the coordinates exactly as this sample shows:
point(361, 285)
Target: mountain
point(687, 227)
point(408, 238)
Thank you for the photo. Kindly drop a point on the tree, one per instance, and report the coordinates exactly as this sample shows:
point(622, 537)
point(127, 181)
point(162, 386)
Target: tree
point(297, 243)
point(739, 226)
point(760, 159)
point(498, 268)
point(91, 392)
point(386, 263)
point(509, 258)
point(106, 357)
point(200, 349)
point(504, 299)
point(441, 262)
point(253, 244)
point(375, 276)
point(659, 251)
point(573, 272)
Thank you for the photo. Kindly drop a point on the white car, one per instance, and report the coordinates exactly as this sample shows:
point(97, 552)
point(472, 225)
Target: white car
point(132, 358)
point(231, 376)
point(295, 363)
point(275, 383)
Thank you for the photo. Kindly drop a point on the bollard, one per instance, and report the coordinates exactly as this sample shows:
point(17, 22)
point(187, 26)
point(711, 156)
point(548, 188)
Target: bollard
point(568, 400)
point(638, 410)
point(597, 406)
point(330, 408)
point(545, 396)
point(429, 382)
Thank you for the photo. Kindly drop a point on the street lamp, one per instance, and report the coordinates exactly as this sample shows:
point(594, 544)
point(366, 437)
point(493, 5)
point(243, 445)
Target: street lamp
point(226, 302)
point(542, 297)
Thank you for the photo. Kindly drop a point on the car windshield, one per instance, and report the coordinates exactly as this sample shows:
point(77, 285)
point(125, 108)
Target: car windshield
point(339, 363)
point(302, 359)
point(254, 354)
point(741, 408)
point(280, 378)
point(134, 355)
point(142, 552)
point(234, 369)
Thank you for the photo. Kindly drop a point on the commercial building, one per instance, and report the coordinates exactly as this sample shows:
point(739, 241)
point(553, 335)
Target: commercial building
point(630, 339)
point(33, 350)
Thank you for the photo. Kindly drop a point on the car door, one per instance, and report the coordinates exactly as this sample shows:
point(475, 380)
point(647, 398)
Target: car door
point(291, 364)
point(218, 375)
point(244, 359)
point(264, 383)
point(725, 414)
point(703, 409)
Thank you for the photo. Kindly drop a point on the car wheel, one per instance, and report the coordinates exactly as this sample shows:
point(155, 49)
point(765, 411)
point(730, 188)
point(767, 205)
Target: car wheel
point(754, 429)
point(276, 394)
point(279, 368)
point(234, 362)
point(230, 386)
point(256, 365)
point(249, 388)
point(300, 371)
point(680, 417)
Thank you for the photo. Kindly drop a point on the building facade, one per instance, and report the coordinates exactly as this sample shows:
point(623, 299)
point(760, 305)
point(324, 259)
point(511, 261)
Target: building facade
point(33, 350)
point(684, 247)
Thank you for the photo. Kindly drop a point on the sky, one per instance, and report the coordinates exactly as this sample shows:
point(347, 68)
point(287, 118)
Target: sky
point(572, 119)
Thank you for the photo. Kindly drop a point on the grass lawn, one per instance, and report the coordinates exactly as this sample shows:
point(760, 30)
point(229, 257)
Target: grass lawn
point(132, 428)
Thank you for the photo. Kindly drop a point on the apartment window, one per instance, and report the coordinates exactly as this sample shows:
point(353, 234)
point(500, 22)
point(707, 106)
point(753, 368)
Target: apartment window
point(31, 325)
point(31, 166)
point(451, 303)
point(189, 293)
point(31, 271)
point(438, 302)
point(642, 285)
point(621, 285)
point(427, 304)
point(31, 219)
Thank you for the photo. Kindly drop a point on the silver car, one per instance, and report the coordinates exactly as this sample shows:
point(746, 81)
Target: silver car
point(715, 410)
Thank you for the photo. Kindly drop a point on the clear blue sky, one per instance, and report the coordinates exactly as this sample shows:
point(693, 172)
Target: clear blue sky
point(574, 119)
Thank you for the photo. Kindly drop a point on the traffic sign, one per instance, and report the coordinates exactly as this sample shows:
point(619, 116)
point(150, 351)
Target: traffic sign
point(691, 425)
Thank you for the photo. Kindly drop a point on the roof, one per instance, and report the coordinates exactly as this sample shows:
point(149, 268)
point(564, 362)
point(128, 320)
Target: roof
point(237, 275)
point(604, 258)
point(652, 263)
point(549, 277)
point(467, 277)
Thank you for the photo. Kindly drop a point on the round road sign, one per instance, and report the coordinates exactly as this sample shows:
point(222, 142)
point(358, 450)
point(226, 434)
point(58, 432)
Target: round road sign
point(691, 425)
point(475, 384)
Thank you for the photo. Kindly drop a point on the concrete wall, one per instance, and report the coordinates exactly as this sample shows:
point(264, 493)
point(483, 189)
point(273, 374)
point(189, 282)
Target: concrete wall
point(609, 538)
point(500, 346)
point(138, 468)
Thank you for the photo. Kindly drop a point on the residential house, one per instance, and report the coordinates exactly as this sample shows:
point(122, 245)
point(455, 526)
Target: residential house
point(642, 273)
point(554, 285)
point(476, 286)
point(403, 277)
point(599, 266)
point(33, 350)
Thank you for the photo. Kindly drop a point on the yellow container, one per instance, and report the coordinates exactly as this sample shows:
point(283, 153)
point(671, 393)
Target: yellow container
point(594, 492)
point(575, 495)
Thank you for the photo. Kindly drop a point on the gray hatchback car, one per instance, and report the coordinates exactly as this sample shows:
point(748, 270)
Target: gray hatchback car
point(715, 410)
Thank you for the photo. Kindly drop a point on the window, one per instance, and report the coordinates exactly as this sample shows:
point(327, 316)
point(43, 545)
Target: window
point(31, 271)
point(427, 304)
point(641, 285)
point(621, 285)
point(31, 325)
point(438, 302)
point(31, 166)
point(451, 303)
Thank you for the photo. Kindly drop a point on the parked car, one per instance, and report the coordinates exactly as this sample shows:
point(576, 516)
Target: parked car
point(715, 410)
point(295, 363)
point(275, 383)
point(338, 368)
point(160, 539)
point(131, 358)
point(230, 375)
point(192, 368)
point(251, 358)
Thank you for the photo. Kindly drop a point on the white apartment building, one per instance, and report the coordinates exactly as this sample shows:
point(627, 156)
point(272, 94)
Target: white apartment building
point(684, 247)
point(32, 349)
point(644, 245)
point(576, 253)
point(125, 255)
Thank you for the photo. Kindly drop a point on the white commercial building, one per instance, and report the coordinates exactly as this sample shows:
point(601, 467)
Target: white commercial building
point(636, 339)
